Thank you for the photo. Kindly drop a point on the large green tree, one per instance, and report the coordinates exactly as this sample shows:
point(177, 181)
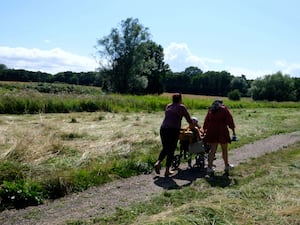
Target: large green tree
point(133, 63)
point(274, 87)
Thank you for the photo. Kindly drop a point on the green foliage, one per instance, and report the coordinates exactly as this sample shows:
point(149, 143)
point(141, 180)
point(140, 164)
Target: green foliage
point(11, 171)
point(19, 100)
point(240, 84)
point(208, 83)
point(55, 187)
point(24, 75)
point(135, 62)
point(131, 167)
point(275, 87)
point(20, 194)
point(18, 189)
point(3, 67)
point(234, 95)
point(153, 76)
point(83, 78)
point(75, 180)
point(297, 87)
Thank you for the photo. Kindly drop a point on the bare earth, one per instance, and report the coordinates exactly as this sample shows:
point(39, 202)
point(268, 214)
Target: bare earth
point(103, 200)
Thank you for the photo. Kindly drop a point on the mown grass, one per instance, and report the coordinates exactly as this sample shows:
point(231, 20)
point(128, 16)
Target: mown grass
point(64, 165)
point(262, 191)
point(51, 155)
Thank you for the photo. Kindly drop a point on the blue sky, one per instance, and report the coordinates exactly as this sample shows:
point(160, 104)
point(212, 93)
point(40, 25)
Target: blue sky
point(254, 37)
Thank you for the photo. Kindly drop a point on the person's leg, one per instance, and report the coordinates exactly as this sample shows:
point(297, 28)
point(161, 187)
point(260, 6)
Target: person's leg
point(225, 153)
point(169, 139)
point(225, 158)
point(211, 154)
point(171, 146)
point(163, 153)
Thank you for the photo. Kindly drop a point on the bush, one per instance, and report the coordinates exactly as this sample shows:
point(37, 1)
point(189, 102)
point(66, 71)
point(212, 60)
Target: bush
point(234, 95)
point(20, 194)
point(11, 171)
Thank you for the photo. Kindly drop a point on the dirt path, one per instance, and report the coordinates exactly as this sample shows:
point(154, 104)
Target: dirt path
point(101, 201)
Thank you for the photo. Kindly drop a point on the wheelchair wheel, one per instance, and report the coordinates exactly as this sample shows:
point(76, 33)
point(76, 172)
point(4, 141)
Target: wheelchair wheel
point(200, 161)
point(176, 162)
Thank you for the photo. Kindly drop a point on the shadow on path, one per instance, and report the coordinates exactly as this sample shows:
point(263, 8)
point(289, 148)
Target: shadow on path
point(184, 178)
point(181, 179)
point(220, 181)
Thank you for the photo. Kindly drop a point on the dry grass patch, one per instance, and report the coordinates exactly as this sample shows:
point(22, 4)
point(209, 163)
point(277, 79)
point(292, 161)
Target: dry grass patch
point(36, 138)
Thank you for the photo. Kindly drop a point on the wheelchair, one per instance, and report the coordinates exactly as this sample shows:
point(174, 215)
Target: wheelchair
point(191, 145)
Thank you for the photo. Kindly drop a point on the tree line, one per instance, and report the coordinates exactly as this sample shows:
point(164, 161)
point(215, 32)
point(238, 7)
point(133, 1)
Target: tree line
point(134, 64)
point(274, 87)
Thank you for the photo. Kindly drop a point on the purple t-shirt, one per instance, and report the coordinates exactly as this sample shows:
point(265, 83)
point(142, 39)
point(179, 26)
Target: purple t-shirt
point(173, 116)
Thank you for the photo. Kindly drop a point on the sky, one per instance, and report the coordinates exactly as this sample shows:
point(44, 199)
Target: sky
point(243, 37)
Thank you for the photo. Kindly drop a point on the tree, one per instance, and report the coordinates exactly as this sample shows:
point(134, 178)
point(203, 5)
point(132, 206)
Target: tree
point(3, 67)
point(193, 71)
point(241, 84)
point(275, 87)
point(133, 61)
point(297, 87)
point(150, 63)
point(177, 82)
point(215, 83)
point(234, 95)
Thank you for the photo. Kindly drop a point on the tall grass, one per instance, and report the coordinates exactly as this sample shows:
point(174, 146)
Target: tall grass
point(20, 98)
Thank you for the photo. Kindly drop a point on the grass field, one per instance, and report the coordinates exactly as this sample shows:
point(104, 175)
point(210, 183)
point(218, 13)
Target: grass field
point(41, 139)
point(264, 191)
point(49, 155)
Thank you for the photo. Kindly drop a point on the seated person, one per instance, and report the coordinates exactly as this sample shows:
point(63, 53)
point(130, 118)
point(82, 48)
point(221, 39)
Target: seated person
point(190, 135)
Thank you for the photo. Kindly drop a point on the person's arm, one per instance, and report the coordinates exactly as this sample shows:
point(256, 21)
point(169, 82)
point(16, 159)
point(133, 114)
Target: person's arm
point(206, 122)
point(230, 122)
point(187, 116)
point(229, 119)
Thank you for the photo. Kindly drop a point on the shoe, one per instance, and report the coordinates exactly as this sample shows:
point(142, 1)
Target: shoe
point(157, 168)
point(210, 171)
point(228, 168)
point(169, 173)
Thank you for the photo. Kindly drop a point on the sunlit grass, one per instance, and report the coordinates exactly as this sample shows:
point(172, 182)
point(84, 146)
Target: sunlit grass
point(116, 144)
point(263, 191)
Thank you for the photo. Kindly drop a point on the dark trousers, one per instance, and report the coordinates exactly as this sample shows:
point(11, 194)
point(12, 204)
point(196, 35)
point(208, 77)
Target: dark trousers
point(169, 138)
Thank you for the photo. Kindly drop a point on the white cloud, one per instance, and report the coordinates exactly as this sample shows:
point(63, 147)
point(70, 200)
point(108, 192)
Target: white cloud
point(292, 69)
point(179, 57)
point(250, 74)
point(50, 61)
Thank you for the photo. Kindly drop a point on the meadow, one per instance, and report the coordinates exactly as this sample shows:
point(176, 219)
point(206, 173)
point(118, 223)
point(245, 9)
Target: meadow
point(90, 138)
point(263, 191)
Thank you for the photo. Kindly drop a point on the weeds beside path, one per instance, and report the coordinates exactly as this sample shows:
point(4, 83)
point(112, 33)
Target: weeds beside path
point(103, 200)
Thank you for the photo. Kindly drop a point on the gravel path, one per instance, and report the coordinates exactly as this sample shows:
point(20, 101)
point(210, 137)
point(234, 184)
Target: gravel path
point(101, 201)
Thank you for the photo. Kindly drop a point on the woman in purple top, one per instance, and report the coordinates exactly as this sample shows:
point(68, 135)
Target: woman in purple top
point(169, 131)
